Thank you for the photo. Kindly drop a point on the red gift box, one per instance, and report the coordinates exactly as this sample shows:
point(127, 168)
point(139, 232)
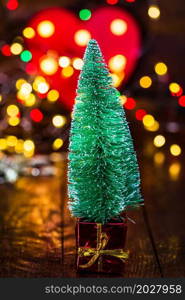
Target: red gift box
point(100, 247)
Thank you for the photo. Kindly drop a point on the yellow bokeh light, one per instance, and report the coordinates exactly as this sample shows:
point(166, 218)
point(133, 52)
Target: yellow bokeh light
point(25, 89)
point(174, 170)
point(28, 32)
point(154, 12)
point(46, 29)
point(64, 61)
point(175, 150)
point(59, 121)
point(154, 127)
point(49, 65)
point(1, 98)
point(148, 120)
point(11, 140)
point(82, 37)
point(13, 121)
point(123, 99)
point(118, 27)
point(28, 145)
point(3, 144)
point(28, 154)
point(19, 83)
point(161, 68)
point(19, 146)
point(67, 72)
point(12, 110)
point(78, 63)
point(30, 100)
point(117, 79)
point(57, 144)
point(117, 63)
point(43, 87)
point(159, 140)
point(145, 82)
point(174, 87)
point(38, 79)
point(159, 158)
point(53, 95)
point(16, 48)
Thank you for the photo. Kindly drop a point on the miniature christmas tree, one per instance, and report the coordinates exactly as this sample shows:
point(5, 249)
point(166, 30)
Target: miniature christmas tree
point(103, 171)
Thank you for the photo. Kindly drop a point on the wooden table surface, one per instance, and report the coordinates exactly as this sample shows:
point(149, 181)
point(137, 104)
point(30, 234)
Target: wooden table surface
point(37, 232)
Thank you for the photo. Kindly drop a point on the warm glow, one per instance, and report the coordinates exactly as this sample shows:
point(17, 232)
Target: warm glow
point(16, 48)
point(43, 87)
point(148, 120)
point(154, 12)
point(12, 110)
point(29, 32)
point(1, 98)
point(118, 27)
point(25, 89)
point(46, 29)
point(67, 72)
point(19, 146)
point(19, 83)
point(175, 150)
point(49, 65)
point(64, 61)
point(159, 158)
point(78, 63)
point(82, 37)
point(117, 63)
point(174, 170)
point(159, 140)
point(11, 140)
point(145, 82)
point(154, 127)
point(53, 95)
point(59, 121)
point(13, 121)
point(174, 87)
point(3, 144)
point(38, 79)
point(123, 99)
point(28, 145)
point(57, 144)
point(161, 68)
point(30, 100)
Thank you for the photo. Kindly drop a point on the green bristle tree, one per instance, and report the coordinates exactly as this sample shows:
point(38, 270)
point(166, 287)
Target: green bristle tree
point(103, 172)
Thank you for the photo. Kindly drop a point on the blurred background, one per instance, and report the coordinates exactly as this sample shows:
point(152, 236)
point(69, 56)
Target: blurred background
point(41, 49)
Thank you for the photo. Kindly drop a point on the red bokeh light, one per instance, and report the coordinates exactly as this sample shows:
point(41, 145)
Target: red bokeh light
point(178, 94)
point(36, 115)
point(130, 103)
point(6, 50)
point(12, 4)
point(182, 101)
point(112, 2)
point(130, 1)
point(140, 113)
point(31, 69)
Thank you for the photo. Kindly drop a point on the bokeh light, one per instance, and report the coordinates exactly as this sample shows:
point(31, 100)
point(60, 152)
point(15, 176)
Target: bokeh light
point(49, 65)
point(3, 144)
point(112, 2)
point(36, 115)
point(174, 87)
point(130, 103)
point(82, 37)
point(59, 121)
point(19, 83)
point(85, 14)
point(174, 170)
point(159, 158)
point(154, 127)
point(78, 63)
point(140, 113)
point(53, 95)
point(148, 120)
point(46, 29)
point(13, 121)
point(159, 141)
point(154, 12)
point(161, 68)
point(11, 140)
point(117, 63)
point(175, 150)
point(43, 87)
point(57, 144)
point(28, 32)
point(67, 72)
point(12, 110)
point(64, 61)
point(118, 27)
point(145, 82)
point(16, 48)
point(26, 56)
point(182, 101)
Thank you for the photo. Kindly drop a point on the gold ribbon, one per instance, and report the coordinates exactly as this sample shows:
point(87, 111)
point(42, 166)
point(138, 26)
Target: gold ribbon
point(102, 240)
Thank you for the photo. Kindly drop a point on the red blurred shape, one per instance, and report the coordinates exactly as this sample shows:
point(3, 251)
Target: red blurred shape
point(12, 4)
point(178, 94)
point(130, 103)
point(140, 113)
point(31, 69)
point(130, 1)
point(182, 101)
point(112, 2)
point(6, 50)
point(36, 115)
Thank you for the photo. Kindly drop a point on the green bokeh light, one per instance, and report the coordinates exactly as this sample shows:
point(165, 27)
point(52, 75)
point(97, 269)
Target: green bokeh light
point(26, 56)
point(85, 14)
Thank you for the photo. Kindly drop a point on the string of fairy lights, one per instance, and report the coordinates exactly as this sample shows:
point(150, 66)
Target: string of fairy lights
point(30, 91)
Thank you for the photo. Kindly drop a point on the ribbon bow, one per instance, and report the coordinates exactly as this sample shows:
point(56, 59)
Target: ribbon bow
point(102, 240)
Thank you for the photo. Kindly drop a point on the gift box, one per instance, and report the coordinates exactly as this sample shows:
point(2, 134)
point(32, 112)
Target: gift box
point(100, 247)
